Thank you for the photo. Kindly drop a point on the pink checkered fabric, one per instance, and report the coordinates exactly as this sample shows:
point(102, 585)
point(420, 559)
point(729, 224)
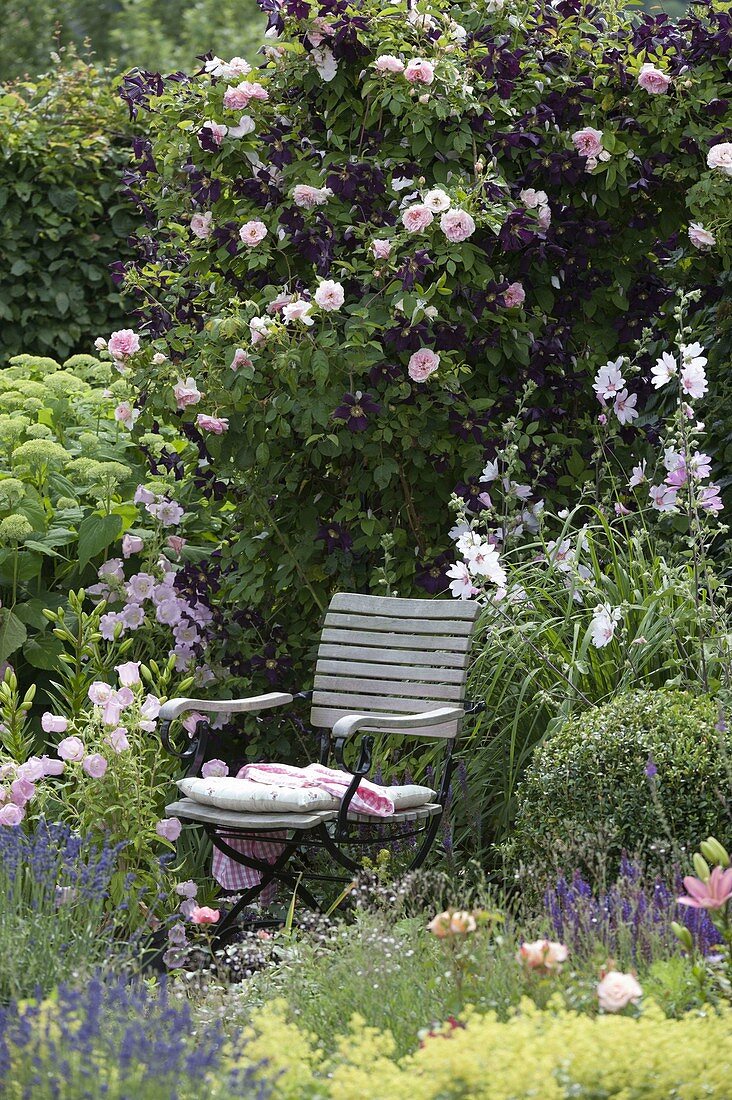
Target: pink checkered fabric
point(368, 799)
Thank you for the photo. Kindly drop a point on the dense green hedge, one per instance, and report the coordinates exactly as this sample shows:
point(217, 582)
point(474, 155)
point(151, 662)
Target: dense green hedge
point(63, 220)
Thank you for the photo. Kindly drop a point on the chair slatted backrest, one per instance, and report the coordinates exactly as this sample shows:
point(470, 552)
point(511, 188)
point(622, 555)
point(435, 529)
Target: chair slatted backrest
point(380, 654)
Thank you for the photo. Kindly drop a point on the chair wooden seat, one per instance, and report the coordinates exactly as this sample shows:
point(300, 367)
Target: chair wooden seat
point(385, 666)
point(191, 810)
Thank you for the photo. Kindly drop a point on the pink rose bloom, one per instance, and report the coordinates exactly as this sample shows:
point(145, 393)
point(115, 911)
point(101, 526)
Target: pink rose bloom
point(252, 233)
point(176, 542)
point(129, 673)
point(387, 63)
point(124, 413)
point(52, 767)
point(202, 225)
point(71, 748)
point(419, 71)
point(543, 956)
point(422, 364)
point(32, 769)
point(617, 990)
point(123, 343)
point(416, 218)
point(701, 238)
point(117, 740)
point(457, 225)
point(169, 829)
point(329, 295)
point(100, 693)
point(131, 544)
point(53, 723)
point(203, 914)
point(588, 142)
point(239, 97)
point(308, 197)
point(216, 131)
point(10, 814)
point(453, 922)
point(241, 359)
point(215, 768)
point(652, 80)
point(299, 310)
point(514, 295)
point(21, 791)
point(381, 249)
point(94, 765)
point(186, 393)
point(216, 424)
point(720, 157)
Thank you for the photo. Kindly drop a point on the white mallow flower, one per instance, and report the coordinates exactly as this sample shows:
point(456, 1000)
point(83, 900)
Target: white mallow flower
point(663, 498)
point(602, 627)
point(468, 540)
point(490, 470)
point(624, 407)
point(461, 585)
point(664, 370)
point(458, 531)
point(560, 554)
point(693, 378)
point(690, 352)
point(673, 460)
point(436, 200)
point(609, 380)
point(482, 561)
point(638, 475)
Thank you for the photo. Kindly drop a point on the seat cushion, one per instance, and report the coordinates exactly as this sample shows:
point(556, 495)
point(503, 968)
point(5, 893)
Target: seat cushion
point(409, 795)
point(243, 796)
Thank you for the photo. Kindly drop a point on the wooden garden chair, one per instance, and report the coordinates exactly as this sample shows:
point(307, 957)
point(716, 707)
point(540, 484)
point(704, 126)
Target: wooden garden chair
point(384, 665)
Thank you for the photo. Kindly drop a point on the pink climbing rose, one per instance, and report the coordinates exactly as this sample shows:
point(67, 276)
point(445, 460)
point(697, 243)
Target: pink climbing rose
point(215, 424)
point(186, 393)
point(653, 80)
point(252, 233)
point(123, 343)
point(419, 71)
point(422, 364)
point(514, 295)
point(588, 142)
point(416, 218)
point(457, 225)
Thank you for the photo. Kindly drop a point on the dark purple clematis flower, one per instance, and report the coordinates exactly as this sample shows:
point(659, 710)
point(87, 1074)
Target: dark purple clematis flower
point(472, 491)
point(410, 270)
point(334, 536)
point(517, 231)
point(355, 410)
point(466, 425)
point(385, 372)
point(432, 575)
point(271, 664)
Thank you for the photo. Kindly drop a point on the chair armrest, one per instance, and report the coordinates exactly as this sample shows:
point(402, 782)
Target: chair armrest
point(175, 707)
point(350, 723)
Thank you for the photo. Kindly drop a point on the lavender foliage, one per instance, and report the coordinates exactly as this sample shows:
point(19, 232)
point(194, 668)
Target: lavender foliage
point(631, 918)
point(118, 1040)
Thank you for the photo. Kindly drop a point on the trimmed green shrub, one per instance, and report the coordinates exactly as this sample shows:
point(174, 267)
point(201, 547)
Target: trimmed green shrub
point(647, 772)
point(64, 222)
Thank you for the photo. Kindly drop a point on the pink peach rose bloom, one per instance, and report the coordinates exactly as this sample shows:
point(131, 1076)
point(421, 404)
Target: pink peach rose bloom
point(186, 393)
point(544, 956)
point(201, 225)
point(239, 97)
point(216, 424)
point(329, 295)
point(387, 63)
point(457, 225)
point(381, 249)
point(719, 157)
point(419, 71)
point(123, 343)
point(203, 914)
point(416, 218)
point(307, 197)
point(588, 142)
point(652, 80)
point(422, 364)
point(514, 295)
point(252, 232)
point(616, 991)
point(453, 922)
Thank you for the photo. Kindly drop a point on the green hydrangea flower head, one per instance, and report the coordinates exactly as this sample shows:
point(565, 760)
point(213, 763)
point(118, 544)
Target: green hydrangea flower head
point(12, 430)
point(32, 406)
point(39, 431)
point(87, 367)
point(12, 491)
point(37, 365)
point(63, 503)
point(89, 441)
point(15, 529)
point(66, 384)
point(40, 453)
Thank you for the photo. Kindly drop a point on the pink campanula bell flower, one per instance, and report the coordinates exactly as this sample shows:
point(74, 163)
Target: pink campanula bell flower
point(169, 828)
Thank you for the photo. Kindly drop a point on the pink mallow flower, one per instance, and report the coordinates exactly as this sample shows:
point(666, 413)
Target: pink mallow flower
point(203, 914)
point(169, 829)
point(712, 894)
point(419, 71)
point(54, 723)
point(123, 343)
point(457, 225)
point(252, 233)
point(514, 295)
point(94, 765)
point(71, 748)
point(422, 364)
point(652, 80)
point(216, 424)
point(186, 393)
point(587, 142)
